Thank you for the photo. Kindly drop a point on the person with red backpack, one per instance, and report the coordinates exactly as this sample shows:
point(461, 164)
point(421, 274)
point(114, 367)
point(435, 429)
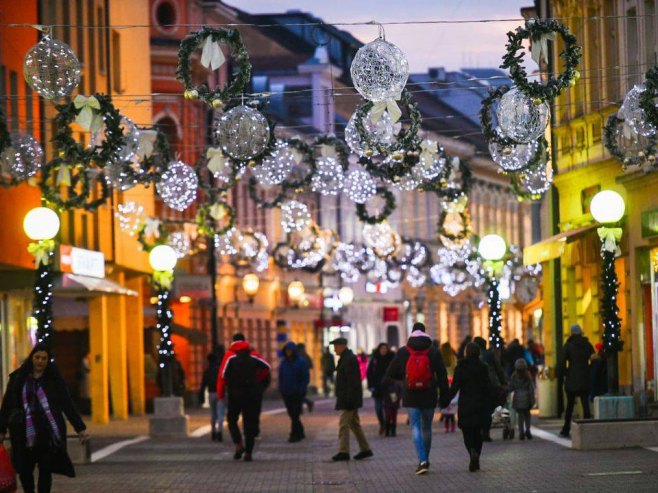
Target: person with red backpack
point(420, 367)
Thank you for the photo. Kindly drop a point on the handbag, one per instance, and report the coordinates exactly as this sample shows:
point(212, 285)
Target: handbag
point(7, 473)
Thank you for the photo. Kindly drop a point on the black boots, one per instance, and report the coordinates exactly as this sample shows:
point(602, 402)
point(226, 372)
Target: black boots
point(475, 461)
point(390, 429)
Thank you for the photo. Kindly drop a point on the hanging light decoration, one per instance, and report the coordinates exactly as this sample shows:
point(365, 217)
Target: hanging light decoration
point(382, 238)
point(384, 132)
point(295, 216)
point(634, 115)
point(359, 186)
point(513, 157)
point(178, 186)
point(329, 176)
point(243, 133)
point(130, 216)
point(225, 244)
point(276, 167)
point(379, 71)
point(23, 158)
point(520, 118)
point(180, 242)
point(534, 182)
point(415, 277)
point(51, 68)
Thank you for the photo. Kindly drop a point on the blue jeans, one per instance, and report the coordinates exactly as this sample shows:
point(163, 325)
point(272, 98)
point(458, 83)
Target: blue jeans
point(217, 409)
point(379, 410)
point(421, 430)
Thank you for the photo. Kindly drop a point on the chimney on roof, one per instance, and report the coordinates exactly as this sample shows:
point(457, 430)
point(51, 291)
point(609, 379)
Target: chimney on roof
point(437, 73)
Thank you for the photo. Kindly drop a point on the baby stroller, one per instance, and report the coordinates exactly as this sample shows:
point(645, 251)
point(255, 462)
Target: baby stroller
point(505, 417)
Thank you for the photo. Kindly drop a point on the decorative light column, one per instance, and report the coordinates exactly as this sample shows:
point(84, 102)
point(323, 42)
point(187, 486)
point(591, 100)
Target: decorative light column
point(163, 260)
point(492, 249)
point(607, 209)
point(41, 224)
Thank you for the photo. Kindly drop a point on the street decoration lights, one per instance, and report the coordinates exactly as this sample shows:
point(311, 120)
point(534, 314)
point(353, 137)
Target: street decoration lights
point(607, 209)
point(163, 260)
point(41, 225)
point(492, 249)
point(295, 292)
point(346, 295)
point(250, 284)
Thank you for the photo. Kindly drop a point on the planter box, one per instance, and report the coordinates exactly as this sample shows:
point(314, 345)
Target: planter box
point(614, 434)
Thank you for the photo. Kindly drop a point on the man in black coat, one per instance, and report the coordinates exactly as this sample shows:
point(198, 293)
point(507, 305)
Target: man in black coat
point(420, 398)
point(349, 398)
point(574, 367)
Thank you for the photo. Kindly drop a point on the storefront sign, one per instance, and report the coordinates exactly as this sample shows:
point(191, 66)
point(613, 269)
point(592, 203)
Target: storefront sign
point(391, 314)
point(82, 262)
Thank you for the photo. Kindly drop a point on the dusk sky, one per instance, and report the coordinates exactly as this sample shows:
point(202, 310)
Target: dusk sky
point(451, 46)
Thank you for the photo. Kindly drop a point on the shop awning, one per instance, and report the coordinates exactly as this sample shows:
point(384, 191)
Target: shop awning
point(552, 247)
point(77, 285)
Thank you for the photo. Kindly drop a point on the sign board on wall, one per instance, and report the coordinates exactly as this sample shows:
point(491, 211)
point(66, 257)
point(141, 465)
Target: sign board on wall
point(83, 262)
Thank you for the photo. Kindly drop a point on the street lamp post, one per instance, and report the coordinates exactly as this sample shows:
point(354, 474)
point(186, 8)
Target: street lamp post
point(42, 225)
point(607, 209)
point(163, 260)
point(492, 249)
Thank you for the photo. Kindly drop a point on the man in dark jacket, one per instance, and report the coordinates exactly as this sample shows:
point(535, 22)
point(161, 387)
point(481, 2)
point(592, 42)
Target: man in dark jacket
point(574, 367)
point(328, 369)
point(349, 398)
point(293, 382)
point(241, 375)
point(420, 365)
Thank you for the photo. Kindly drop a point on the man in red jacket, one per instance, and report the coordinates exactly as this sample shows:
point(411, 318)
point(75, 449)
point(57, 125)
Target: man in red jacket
point(238, 344)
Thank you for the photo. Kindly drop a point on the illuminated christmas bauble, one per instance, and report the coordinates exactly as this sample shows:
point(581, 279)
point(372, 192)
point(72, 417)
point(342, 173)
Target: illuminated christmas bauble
point(243, 133)
point(513, 157)
point(51, 68)
point(520, 119)
point(130, 216)
point(23, 158)
point(294, 216)
point(359, 186)
point(536, 180)
point(329, 176)
point(276, 167)
point(119, 176)
point(634, 115)
point(384, 132)
point(178, 186)
point(382, 238)
point(408, 182)
point(415, 277)
point(431, 164)
point(131, 139)
point(379, 70)
point(180, 242)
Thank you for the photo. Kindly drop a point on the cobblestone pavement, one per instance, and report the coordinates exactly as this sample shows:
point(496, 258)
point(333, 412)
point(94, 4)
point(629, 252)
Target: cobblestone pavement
point(199, 465)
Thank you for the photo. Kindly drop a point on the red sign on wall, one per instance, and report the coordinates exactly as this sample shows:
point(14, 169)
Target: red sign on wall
point(391, 314)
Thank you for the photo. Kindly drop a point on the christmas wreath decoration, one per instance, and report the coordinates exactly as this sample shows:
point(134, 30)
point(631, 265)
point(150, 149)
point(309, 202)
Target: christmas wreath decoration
point(79, 183)
point(306, 152)
point(610, 132)
point(539, 32)
point(152, 228)
point(462, 235)
point(262, 203)
point(212, 57)
point(208, 215)
point(342, 154)
point(649, 95)
point(440, 185)
point(90, 113)
point(488, 130)
point(407, 138)
point(155, 163)
point(389, 207)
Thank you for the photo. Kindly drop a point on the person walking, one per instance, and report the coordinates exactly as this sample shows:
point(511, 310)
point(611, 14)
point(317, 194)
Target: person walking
point(216, 405)
point(293, 381)
point(420, 366)
point(246, 375)
point(362, 357)
point(598, 372)
point(574, 367)
point(377, 367)
point(301, 351)
point(524, 396)
point(492, 359)
point(328, 369)
point(349, 398)
point(471, 381)
point(392, 399)
point(462, 346)
point(33, 408)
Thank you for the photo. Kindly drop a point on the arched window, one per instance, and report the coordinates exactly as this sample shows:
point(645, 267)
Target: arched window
point(165, 15)
point(169, 127)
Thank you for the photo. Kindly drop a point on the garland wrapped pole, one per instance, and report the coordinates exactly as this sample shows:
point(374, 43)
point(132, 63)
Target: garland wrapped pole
point(607, 209)
point(163, 260)
point(495, 316)
point(41, 224)
point(492, 249)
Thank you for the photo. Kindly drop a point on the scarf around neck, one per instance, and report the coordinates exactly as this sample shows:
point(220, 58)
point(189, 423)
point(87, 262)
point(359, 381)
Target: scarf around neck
point(32, 388)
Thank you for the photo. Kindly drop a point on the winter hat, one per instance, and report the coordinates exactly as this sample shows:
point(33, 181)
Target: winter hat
point(520, 364)
point(576, 330)
point(418, 326)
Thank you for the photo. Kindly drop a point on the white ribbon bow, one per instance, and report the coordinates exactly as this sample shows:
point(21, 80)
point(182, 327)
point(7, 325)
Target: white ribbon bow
point(212, 56)
point(152, 227)
point(328, 151)
point(88, 117)
point(217, 161)
point(610, 238)
point(64, 175)
point(296, 155)
point(217, 211)
point(146, 144)
point(539, 48)
point(389, 105)
point(626, 130)
point(429, 149)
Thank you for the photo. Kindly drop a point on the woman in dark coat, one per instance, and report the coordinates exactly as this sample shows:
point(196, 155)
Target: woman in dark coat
point(33, 409)
point(471, 380)
point(379, 362)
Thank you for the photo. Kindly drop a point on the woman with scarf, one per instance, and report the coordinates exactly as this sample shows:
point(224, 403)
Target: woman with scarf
point(33, 409)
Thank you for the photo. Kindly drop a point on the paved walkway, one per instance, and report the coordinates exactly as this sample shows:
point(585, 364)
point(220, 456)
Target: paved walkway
point(196, 465)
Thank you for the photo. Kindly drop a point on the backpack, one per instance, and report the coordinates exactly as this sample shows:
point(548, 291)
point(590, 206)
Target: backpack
point(419, 370)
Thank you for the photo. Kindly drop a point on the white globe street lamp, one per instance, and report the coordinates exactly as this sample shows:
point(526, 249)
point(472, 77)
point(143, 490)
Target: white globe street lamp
point(492, 247)
point(163, 258)
point(346, 295)
point(607, 207)
point(41, 223)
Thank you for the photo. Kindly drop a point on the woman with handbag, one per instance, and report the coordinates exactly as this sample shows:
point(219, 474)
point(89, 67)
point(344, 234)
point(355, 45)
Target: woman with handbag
point(33, 409)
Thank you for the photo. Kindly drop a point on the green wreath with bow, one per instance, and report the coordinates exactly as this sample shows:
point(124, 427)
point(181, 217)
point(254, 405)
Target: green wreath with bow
point(407, 138)
point(328, 145)
point(91, 113)
point(440, 184)
point(488, 130)
point(210, 213)
point(154, 154)
point(306, 157)
point(212, 58)
point(649, 95)
point(389, 206)
point(78, 184)
point(610, 132)
point(152, 228)
point(252, 188)
point(540, 32)
point(465, 232)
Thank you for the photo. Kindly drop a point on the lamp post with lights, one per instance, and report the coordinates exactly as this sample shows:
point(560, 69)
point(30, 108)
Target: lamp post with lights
point(492, 249)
